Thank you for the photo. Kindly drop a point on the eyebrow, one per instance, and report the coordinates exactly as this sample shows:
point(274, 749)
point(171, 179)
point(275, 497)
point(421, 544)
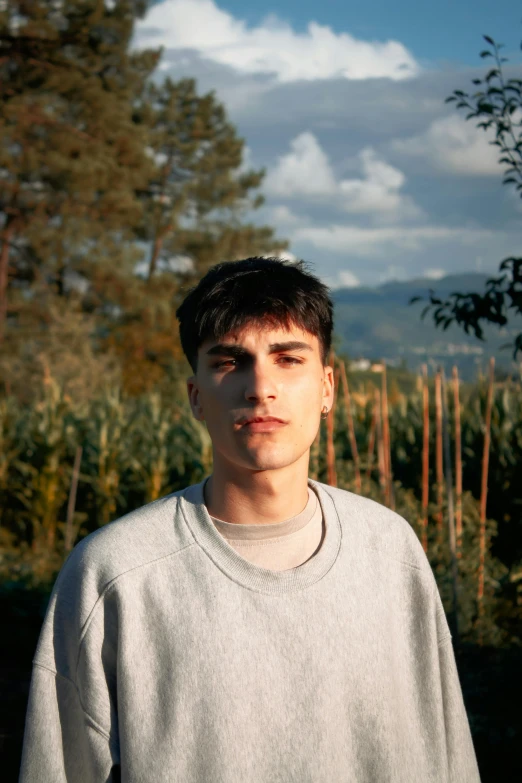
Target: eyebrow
point(231, 349)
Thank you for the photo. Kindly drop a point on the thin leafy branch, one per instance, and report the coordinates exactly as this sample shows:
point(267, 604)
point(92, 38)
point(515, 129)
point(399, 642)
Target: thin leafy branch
point(499, 106)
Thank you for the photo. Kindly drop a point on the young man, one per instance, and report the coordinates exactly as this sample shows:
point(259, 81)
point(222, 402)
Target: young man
point(257, 627)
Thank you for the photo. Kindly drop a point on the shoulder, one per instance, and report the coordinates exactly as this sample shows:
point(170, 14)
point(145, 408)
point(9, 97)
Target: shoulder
point(133, 541)
point(379, 528)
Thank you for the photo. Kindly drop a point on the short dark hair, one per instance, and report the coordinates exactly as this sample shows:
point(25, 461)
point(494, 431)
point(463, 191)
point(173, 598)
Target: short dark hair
point(272, 291)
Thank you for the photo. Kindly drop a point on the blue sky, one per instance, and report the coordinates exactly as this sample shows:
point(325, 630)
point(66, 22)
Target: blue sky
point(436, 31)
point(369, 174)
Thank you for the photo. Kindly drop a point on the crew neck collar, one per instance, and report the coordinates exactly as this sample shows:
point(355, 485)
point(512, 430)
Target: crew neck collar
point(252, 576)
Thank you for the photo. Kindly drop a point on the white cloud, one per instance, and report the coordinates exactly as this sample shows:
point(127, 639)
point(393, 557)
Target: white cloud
point(306, 173)
point(434, 274)
point(456, 145)
point(347, 279)
point(379, 242)
point(379, 190)
point(272, 47)
point(341, 279)
point(281, 215)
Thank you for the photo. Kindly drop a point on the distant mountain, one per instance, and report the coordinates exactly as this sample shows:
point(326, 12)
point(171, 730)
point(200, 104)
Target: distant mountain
point(378, 323)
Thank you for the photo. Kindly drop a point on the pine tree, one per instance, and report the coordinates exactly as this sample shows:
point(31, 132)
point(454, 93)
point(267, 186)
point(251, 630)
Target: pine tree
point(194, 207)
point(195, 203)
point(71, 157)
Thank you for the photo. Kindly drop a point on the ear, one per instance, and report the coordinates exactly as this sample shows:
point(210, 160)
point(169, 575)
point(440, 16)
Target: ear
point(193, 395)
point(328, 387)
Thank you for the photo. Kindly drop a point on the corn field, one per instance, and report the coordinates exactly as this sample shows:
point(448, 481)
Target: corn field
point(449, 462)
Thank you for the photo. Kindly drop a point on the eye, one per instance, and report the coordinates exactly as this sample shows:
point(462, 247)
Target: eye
point(291, 359)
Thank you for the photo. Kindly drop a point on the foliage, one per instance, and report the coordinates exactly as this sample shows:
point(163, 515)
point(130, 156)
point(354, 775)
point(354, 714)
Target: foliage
point(199, 184)
point(64, 347)
point(133, 451)
point(69, 150)
point(499, 106)
point(138, 448)
point(103, 170)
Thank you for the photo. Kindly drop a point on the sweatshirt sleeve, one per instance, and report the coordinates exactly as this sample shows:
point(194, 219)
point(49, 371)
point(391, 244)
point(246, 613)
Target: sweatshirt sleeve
point(62, 743)
point(71, 724)
point(461, 757)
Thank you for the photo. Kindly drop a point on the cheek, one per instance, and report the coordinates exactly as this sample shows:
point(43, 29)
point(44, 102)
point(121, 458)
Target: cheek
point(218, 407)
point(306, 391)
point(304, 407)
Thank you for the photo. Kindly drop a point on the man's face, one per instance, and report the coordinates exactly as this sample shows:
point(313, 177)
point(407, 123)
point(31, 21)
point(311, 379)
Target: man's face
point(251, 378)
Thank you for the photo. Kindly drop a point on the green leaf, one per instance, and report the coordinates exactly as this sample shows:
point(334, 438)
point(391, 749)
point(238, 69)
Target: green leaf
point(489, 40)
point(485, 53)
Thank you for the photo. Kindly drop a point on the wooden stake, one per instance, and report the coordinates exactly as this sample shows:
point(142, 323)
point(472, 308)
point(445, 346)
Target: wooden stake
point(69, 527)
point(371, 440)
point(380, 446)
point(425, 457)
point(386, 441)
point(438, 456)
point(451, 516)
point(458, 462)
point(330, 448)
point(314, 455)
point(484, 493)
point(351, 429)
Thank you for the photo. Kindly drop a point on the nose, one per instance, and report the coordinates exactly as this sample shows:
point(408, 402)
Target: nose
point(259, 383)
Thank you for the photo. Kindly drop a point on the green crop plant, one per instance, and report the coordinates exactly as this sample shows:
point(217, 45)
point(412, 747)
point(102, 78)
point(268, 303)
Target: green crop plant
point(137, 449)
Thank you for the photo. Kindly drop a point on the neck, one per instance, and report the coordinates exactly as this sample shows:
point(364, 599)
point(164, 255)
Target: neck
point(258, 497)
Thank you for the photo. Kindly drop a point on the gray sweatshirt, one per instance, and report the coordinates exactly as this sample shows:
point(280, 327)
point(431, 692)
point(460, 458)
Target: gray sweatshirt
point(167, 656)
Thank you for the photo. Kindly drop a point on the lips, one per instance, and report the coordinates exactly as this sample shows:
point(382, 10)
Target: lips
point(270, 425)
point(261, 420)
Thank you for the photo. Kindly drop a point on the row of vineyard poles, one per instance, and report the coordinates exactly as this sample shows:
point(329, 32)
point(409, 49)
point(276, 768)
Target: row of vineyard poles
point(379, 435)
point(379, 432)
point(454, 512)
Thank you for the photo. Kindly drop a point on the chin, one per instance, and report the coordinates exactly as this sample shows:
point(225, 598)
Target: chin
point(261, 461)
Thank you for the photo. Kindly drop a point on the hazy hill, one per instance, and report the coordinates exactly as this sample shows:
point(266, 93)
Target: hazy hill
point(379, 323)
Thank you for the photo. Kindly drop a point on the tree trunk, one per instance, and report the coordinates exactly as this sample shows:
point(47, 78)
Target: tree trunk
point(4, 272)
point(156, 250)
